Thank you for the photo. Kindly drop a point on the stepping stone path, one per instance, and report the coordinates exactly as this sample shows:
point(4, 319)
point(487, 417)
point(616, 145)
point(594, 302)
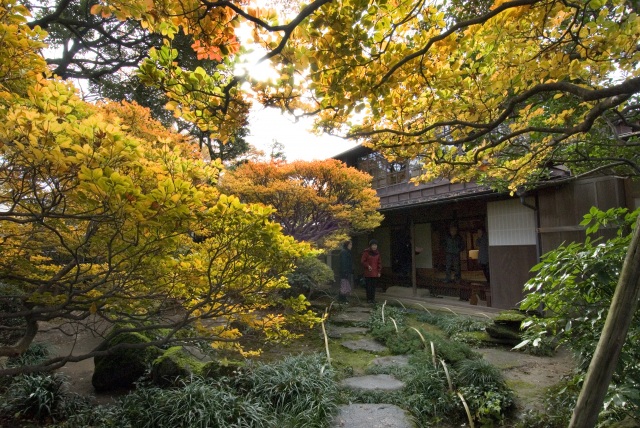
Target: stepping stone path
point(372, 416)
point(379, 382)
point(336, 332)
point(359, 415)
point(365, 344)
point(352, 315)
point(392, 360)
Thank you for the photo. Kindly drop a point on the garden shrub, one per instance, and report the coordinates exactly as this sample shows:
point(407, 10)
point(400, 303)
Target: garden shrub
point(310, 275)
point(488, 404)
point(301, 390)
point(574, 284)
point(41, 397)
point(199, 403)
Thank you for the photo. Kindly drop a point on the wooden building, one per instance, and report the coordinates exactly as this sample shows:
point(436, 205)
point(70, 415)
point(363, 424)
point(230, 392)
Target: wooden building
point(520, 228)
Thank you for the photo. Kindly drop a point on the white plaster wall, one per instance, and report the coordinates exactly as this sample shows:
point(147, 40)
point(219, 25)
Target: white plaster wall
point(510, 223)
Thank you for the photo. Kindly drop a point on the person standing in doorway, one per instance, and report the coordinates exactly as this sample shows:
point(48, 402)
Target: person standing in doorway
point(372, 265)
point(482, 242)
point(453, 246)
point(346, 271)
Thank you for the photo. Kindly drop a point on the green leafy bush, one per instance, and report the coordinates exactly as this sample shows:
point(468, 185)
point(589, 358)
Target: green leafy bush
point(489, 405)
point(574, 285)
point(309, 275)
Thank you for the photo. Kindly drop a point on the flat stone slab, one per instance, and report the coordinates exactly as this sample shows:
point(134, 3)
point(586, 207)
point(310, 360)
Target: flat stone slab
point(379, 382)
point(350, 317)
point(365, 344)
point(391, 360)
point(371, 416)
point(358, 309)
point(336, 332)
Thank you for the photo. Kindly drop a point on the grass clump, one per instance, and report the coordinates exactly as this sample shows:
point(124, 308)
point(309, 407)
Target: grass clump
point(41, 397)
point(36, 353)
point(196, 404)
point(451, 324)
point(300, 390)
point(479, 372)
point(293, 393)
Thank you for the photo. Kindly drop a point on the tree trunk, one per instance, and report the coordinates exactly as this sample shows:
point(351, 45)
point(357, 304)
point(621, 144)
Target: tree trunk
point(31, 329)
point(623, 307)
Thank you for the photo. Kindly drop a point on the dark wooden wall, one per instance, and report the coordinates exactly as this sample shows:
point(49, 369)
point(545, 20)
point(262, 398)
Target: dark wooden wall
point(561, 209)
point(509, 271)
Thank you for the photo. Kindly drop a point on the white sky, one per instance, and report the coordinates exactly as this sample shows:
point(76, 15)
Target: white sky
point(299, 142)
point(268, 124)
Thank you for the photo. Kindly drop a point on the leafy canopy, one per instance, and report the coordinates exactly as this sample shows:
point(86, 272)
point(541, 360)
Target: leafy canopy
point(486, 91)
point(493, 96)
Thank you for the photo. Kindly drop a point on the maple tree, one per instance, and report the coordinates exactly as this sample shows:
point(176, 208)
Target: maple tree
point(99, 205)
point(323, 202)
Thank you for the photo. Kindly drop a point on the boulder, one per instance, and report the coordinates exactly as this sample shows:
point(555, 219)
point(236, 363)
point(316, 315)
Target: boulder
point(510, 319)
point(125, 366)
point(174, 364)
point(508, 335)
point(221, 368)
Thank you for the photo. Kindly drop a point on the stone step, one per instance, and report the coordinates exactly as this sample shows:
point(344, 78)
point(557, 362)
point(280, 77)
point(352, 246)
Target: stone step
point(365, 344)
point(371, 416)
point(379, 382)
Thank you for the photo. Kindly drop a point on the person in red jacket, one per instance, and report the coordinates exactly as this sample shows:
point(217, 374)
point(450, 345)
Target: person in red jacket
point(372, 269)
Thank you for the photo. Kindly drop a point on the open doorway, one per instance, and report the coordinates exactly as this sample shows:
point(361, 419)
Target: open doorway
point(401, 255)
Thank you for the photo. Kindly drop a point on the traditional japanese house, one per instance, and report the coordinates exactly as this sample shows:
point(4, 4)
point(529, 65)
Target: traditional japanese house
point(520, 227)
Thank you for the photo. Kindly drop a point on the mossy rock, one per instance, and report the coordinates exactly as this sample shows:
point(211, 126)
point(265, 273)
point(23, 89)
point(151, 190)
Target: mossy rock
point(480, 338)
point(174, 364)
point(125, 366)
point(221, 368)
point(510, 319)
point(503, 333)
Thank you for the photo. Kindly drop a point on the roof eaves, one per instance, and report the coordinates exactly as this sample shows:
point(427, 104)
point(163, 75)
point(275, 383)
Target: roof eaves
point(451, 197)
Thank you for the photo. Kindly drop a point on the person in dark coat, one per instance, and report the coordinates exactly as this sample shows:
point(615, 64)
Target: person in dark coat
point(453, 246)
point(372, 265)
point(346, 271)
point(482, 242)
